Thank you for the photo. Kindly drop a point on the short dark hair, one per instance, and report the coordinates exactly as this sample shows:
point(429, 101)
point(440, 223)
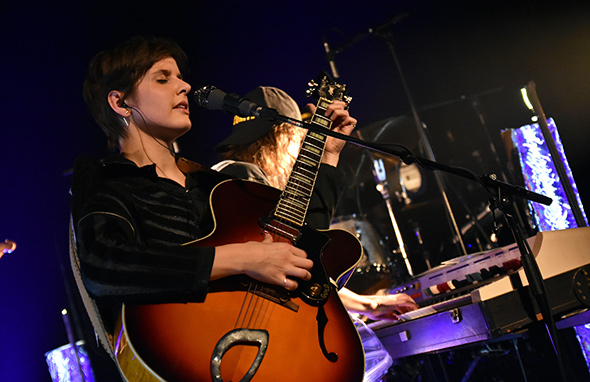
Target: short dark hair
point(120, 68)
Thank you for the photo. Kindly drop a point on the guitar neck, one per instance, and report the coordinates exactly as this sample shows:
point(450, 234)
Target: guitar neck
point(294, 200)
point(8, 246)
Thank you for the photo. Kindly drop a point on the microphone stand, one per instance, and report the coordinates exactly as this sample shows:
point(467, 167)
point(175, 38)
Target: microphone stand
point(387, 36)
point(502, 194)
point(384, 31)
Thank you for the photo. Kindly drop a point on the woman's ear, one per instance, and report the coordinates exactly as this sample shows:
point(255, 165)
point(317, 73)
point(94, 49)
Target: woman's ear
point(115, 99)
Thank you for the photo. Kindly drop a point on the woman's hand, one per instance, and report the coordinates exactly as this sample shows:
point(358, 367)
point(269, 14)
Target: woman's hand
point(273, 263)
point(342, 123)
point(377, 306)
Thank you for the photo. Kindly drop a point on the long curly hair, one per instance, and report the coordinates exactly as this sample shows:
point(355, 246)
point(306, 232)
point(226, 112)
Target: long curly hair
point(275, 152)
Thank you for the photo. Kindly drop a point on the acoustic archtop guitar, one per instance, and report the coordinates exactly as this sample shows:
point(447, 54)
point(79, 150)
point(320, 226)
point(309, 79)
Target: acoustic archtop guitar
point(250, 331)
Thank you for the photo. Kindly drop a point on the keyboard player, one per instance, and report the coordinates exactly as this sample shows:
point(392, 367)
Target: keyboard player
point(377, 306)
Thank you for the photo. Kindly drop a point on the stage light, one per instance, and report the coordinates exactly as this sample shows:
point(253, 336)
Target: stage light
point(527, 102)
point(525, 98)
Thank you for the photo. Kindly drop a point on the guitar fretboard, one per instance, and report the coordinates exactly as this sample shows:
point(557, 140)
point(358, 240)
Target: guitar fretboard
point(294, 201)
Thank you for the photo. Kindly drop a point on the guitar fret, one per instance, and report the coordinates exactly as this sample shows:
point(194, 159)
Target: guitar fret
point(321, 120)
point(290, 215)
point(316, 139)
point(298, 197)
point(315, 144)
point(314, 158)
point(311, 172)
point(317, 136)
point(302, 202)
point(303, 199)
point(319, 143)
point(311, 146)
point(311, 155)
point(294, 210)
point(309, 161)
point(303, 178)
point(323, 103)
point(286, 205)
point(304, 188)
point(297, 214)
point(312, 149)
point(295, 221)
point(292, 193)
point(308, 164)
point(312, 152)
point(291, 209)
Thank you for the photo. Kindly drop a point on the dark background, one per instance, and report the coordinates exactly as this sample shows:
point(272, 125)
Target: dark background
point(449, 51)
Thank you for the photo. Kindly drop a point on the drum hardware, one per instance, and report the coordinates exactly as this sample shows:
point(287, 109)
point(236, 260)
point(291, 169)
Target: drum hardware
point(375, 266)
point(478, 229)
point(405, 180)
point(422, 130)
point(410, 180)
point(383, 188)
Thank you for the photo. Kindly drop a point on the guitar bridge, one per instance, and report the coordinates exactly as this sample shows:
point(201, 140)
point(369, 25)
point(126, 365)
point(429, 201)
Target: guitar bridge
point(270, 293)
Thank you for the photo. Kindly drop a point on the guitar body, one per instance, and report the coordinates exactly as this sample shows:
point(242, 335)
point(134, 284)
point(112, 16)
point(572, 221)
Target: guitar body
point(285, 337)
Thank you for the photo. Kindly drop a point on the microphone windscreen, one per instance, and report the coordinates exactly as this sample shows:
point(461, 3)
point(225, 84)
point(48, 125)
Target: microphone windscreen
point(210, 97)
point(215, 99)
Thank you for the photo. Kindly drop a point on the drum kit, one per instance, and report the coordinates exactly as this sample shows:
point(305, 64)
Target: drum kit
point(402, 214)
point(379, 181)
point(374, 268)
point(394, 209)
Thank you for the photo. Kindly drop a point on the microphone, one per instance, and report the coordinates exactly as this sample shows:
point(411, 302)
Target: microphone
point(330, 57)
point(212, 98)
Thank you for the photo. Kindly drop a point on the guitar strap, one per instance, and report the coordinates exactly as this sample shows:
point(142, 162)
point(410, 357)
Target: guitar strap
point(223, 164)
point(103, 337)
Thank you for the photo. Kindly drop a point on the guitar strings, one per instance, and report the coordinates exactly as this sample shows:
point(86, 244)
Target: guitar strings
point(250, 295)
point(251, 312)
point(237, 324)
point(256, 309)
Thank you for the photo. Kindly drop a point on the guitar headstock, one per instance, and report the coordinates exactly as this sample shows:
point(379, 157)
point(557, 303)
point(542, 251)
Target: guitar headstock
point(8, 246)
point(325, 87)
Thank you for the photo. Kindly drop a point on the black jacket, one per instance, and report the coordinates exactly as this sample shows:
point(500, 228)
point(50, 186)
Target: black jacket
point(130, 226)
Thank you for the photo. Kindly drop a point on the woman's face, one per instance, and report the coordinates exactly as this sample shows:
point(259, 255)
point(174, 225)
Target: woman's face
point(161, 99)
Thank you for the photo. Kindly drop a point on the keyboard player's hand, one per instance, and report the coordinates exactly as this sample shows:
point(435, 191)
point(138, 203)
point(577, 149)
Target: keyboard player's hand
point(377, 306)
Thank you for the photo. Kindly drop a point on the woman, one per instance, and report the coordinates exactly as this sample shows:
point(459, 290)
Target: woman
point(139, 202)
point(133, 211)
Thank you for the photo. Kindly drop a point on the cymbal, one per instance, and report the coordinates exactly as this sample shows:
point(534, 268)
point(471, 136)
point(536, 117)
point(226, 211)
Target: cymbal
point(400, 130)
point(356, 161)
